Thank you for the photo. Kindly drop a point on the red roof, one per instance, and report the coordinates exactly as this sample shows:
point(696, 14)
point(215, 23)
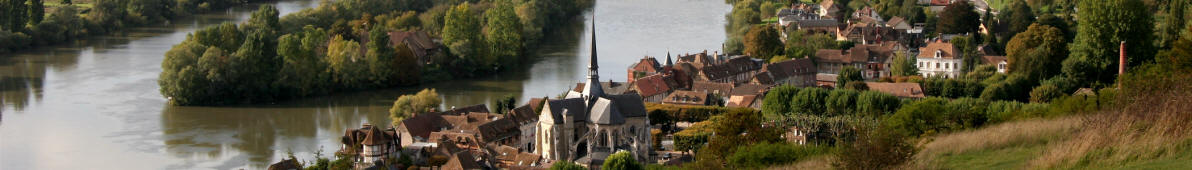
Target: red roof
point(652, 85)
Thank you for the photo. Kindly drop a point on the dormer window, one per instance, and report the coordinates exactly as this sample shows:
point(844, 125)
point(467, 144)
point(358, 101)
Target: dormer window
point(939, 53)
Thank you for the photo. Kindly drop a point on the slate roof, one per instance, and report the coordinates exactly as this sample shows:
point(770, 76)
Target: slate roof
point(817, 23)
point(712, 87)
point(609, 87)
point(764, 77)
point(734, 66)
point(574, 106)
point(631, 105)
point(605, 112)
point(790, 68)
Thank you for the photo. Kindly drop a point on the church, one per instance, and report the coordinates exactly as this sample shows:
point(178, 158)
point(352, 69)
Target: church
point(588, 125)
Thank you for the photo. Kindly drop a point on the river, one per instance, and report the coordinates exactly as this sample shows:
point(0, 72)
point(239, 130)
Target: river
point(94, 103)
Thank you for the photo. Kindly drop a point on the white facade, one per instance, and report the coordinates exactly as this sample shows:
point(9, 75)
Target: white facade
point(939, 66)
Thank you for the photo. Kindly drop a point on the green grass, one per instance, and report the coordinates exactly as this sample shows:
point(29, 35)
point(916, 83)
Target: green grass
point(1013, 157)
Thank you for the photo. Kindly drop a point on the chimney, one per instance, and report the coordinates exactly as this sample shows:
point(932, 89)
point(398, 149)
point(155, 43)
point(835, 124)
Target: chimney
point(1122, 59)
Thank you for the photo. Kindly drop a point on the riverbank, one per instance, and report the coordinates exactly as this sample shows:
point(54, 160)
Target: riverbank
point(63, 21)
point(354, 45)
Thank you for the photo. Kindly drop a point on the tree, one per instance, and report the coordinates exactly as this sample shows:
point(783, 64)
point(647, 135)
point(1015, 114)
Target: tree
point(873, 103)
point(1180, 54)
point(1044, 93)
point(841, 102)
point(777, 101)
point(14, 16)
point(904, 65)
point(505, 104)
point(922, 117)
point(380, 58)
point(1103, 25)
point(345, 63)
point(810, 101)
point(1018, 17)
point(407, 105)
point(504, 34)
point(461, 33)
point(876, 148)
point(622, 160)
point(37, 11)
point(1173, 23)
point(762, 42)
point(958, 18)
point(848, 74)
point(566, 165)
point(1036, 52)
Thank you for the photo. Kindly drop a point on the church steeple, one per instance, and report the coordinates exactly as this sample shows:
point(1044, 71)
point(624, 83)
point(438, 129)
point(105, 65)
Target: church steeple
point(668, 59)
point(592, 89)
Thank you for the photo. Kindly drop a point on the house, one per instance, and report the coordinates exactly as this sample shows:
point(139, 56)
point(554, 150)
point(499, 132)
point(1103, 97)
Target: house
point(371, 144)
point(900, 90)
point(750, 89)
point(585, 127)
point(418, 42)
point(826, 26)
point(462, 161)
point(746, 101)
point(867, 32)
point(898, 23)
point(828, 8)
point(654, 87)
point(645, 67)
point(825, 80)
point(798, 72)
point(417, 128)
point(511, 158)
point(938, 59)
point(526, 118)
point(739, 69)
point(873, 59)
point(713, 88)
point(998, 61)
point(686, 97)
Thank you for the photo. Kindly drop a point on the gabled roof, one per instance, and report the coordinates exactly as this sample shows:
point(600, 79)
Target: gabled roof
point(789, 68)
point(462, 160)
point(653, 85)
point(764, 77)
point(605, 112)
point(687, 97)
point(421, 125)
point(497, 130)
point(574, 107)
point(734, 66)
point(712, 87)
point(750, 89)
point(647, 64)
point(903, 90)
point(895, 21)
point(817, 23)
point(741, 100)
point(992, 59)
point(608, 86)
point(631, 105)
point(945, 49)
point(479, 108)
point(375, 137)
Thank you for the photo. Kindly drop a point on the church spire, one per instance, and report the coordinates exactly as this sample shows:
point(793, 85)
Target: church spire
point(668, 59)
point(592, 89)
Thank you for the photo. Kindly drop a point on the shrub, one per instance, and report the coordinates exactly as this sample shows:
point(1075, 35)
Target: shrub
point(622, 160)
point(1045, 93)
point(768, 154)
point(875, 150)
point(919, 118)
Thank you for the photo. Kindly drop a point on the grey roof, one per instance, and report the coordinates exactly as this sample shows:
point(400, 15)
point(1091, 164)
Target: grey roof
point(574, 106)
point(605, 112)
point(631, 105)
point(817, 23)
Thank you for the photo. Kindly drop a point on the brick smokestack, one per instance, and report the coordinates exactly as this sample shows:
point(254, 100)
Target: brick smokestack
point(1122, 59)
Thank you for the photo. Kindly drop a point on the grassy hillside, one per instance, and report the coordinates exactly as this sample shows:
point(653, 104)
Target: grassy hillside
point(1147, 129)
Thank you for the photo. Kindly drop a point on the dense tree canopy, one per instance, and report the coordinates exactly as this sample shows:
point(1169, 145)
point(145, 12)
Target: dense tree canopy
point(848, 74)
point(1036, 52)
point(622, 160)
point(1103, 26)
point(407, 105)
point(763, 42)
point(958, 18)
point(904, 65)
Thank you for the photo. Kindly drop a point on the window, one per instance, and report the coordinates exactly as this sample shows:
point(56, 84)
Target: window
point(945, 66)
point(937, 65)
point(956, 65)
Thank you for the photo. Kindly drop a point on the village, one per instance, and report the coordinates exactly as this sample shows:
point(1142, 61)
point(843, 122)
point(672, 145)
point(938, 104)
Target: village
point(600, 117)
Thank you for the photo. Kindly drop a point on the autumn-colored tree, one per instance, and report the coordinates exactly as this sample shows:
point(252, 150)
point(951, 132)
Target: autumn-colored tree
point(763, 42)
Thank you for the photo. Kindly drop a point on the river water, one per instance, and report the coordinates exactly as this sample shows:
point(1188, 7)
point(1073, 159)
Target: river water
point(94, 103)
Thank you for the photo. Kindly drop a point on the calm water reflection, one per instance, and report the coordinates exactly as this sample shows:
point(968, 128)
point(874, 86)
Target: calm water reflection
point(94, 104)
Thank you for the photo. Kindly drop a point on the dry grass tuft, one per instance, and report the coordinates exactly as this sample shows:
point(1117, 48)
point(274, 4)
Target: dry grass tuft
point(821, 162)
point(997, 136)
point(1152, 124)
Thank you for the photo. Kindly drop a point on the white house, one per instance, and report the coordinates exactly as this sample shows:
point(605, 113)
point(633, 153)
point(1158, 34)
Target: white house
point(938, 59)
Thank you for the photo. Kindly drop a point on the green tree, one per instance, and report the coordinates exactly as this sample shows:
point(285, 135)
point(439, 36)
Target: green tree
point(841, 102)
point(904, 65)
point(504, 34)
point(1103, 25)
point(622, 160)
point(1036, 52)
point(346, 63)
point(566, 165)
point(37, 11)
point(777, 101)
point(1174, 21)
point(380, 58)
point(763, 42)
point(873, 103)
point(958, 18)
point(1018, 17)
point(407, 105)
point(461, 33)
point(810, 101)
point(848, 74)
point(922, 117)
point(303, 70)
point(14, 14)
